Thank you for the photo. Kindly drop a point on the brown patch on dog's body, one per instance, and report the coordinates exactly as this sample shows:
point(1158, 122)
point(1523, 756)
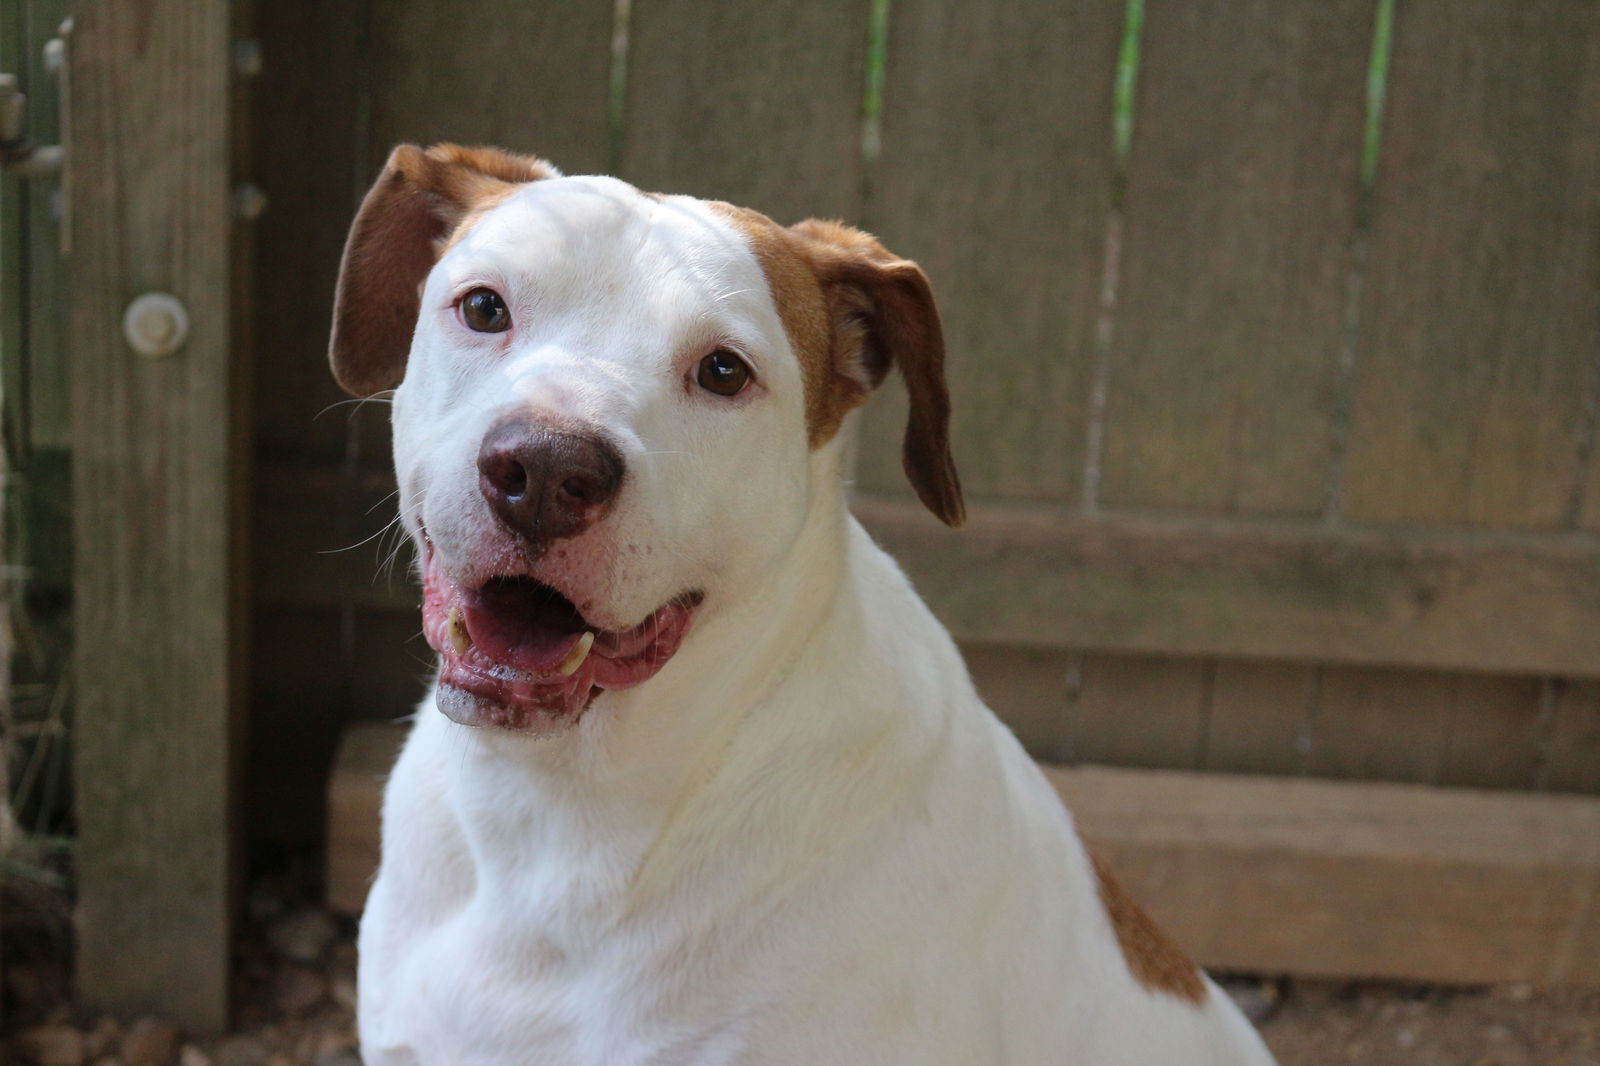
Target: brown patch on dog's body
point(1154, 959)
point(851, 310)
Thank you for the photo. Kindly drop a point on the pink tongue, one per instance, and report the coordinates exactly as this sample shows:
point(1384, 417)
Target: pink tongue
point(512, 631)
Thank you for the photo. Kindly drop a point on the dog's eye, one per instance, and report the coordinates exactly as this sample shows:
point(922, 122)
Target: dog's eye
point(483, 310)
point(723, 373)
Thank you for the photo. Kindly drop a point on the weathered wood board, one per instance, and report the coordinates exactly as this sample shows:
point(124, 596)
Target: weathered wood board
point(313, 172)
point(1262, 873)
point(1322, 878)
point(156, 464)
point(1237, 253)
point(1182, 585)
point(758, 104)
point(999, 185)
point(1477, 333)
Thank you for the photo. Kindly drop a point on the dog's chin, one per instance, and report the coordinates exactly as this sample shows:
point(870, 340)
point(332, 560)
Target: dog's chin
point(470, 708)
point(516, 654)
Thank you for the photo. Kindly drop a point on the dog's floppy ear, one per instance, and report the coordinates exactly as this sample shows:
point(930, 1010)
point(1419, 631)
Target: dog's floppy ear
point(418, 200)
point(883, 314)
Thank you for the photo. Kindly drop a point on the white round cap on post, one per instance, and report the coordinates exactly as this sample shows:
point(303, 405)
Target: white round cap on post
point(155, 324)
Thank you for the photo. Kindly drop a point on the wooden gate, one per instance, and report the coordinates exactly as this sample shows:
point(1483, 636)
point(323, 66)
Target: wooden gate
point(1275, 353)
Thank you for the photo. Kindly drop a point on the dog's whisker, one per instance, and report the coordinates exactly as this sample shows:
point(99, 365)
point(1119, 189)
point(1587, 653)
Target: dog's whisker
point(356, 403)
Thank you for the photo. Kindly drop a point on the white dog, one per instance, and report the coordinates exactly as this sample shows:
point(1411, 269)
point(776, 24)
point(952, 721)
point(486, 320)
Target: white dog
point(710, 784)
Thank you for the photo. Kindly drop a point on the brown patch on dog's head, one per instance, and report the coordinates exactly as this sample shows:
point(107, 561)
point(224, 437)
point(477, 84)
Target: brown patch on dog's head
point(851, 310)
point(420, 202)
point(1154, 958)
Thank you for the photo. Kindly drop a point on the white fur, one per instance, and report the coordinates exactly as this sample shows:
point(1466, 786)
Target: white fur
point(805, 841)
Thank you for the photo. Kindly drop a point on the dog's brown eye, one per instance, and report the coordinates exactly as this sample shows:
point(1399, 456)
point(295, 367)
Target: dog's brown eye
point(723, 373)
point(484, 311)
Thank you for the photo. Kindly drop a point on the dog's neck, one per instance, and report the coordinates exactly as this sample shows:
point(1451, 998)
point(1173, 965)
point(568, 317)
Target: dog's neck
point(609, 790)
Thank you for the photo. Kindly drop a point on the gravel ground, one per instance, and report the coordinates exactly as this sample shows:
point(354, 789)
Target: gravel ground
point(1323, 1024)
point(296, 994)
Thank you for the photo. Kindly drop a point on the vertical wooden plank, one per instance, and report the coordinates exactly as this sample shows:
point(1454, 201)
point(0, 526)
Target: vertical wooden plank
point(310, 149)
point(1384, 725)
point(1478, 731)
point(1241, 199)
point(759, 104)
point(532, 77)
point(1028, 689)
point(1572, 762)
point(1493, 733)
point(1589, 504)
point(995, 174)
point(300, 682)
point(1478, 322)
point(1135, 710)
point(155, 568)
point(1259, 721)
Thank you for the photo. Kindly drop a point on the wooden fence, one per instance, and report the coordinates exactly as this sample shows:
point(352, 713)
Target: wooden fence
point(1274, 348)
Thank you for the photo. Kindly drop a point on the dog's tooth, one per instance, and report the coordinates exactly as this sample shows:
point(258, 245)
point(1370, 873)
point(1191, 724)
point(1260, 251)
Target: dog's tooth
point(457, 628)
point(575, 657)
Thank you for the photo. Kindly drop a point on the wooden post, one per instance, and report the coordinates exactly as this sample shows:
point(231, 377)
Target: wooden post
point(155, 457)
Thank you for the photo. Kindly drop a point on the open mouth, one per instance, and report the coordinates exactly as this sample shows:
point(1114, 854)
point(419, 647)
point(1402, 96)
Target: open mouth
point(514, 652)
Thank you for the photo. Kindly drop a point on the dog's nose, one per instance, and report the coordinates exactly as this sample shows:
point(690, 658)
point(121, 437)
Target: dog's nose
point(546, 484)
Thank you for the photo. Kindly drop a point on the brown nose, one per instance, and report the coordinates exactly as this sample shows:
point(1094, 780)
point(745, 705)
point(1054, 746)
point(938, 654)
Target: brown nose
point(546, 484)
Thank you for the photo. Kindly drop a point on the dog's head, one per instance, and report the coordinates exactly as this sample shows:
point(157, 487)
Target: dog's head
point(611, 408)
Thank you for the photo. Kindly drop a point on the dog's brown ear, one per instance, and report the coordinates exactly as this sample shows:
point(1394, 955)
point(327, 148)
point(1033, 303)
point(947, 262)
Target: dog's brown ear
point(883, 314)
point(416, 203)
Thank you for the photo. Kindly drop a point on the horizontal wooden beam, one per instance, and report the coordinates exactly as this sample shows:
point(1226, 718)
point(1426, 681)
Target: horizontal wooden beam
point(1346, 879)
point(1174, 584)
point(1272, 875)
point(1168, 584)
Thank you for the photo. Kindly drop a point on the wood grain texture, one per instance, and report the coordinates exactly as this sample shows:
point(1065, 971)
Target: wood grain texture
point(1478, 324)
point(995, 175)
point(1264, 874)
point(528, 77)
point(1432, 728)
point(1028, 688)
point(323, 540)
point(1493, 735)
point(1192, 586)
point(309, 145)
point(1573, 757)
point(759, 105)
point(1344, 880)
point(1137, 710)
point(154, 467)
point(1241, 199)
point(1589, 503)
point(1260, 717)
